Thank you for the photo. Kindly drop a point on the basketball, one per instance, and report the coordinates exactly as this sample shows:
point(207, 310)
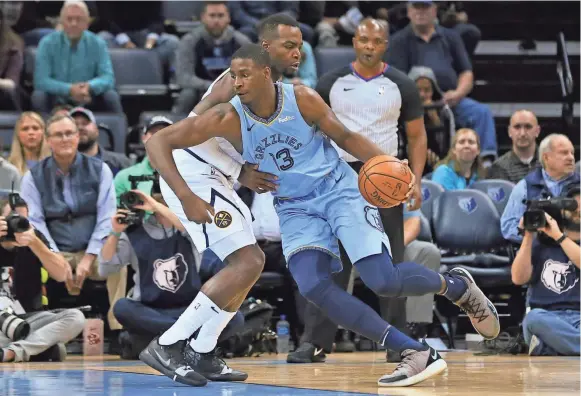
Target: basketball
point(384, 181)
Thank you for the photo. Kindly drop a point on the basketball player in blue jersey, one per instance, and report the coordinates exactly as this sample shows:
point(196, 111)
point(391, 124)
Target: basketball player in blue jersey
point(278, 127)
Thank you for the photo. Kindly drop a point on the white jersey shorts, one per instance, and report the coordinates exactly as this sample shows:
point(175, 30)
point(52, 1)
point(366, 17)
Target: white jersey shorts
point(231, 228)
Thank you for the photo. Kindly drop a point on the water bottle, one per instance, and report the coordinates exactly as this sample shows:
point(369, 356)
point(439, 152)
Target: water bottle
point(282, 335)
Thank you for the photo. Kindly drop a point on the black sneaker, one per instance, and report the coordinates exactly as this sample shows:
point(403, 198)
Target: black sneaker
point(169, 360)
point(307, 353)
point(211, 366)
point(56, 353)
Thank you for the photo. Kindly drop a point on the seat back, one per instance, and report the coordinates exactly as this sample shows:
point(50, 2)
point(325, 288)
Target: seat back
point(136, 66)
point(181, 10)
point(497, 190)
point(117, 125)
point(425, 229)
point(430, 192)
point(466, 221)
point(7, 122)
point(328, 59)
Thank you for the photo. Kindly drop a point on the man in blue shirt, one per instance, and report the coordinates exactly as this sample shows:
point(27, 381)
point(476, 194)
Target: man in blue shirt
point(73, 66)
point(557, 157)
point(423, 43)
point(71, 200)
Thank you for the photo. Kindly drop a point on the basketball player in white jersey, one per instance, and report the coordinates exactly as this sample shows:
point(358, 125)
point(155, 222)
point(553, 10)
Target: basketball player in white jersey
point(210, 170)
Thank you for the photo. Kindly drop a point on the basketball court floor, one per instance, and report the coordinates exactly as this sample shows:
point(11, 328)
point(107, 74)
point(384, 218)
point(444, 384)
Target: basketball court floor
point(343, 374)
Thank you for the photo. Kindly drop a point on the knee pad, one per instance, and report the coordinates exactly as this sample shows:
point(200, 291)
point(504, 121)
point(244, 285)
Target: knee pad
point(311, 270)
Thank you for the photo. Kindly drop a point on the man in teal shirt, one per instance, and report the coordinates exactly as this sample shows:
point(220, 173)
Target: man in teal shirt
point(121, 181)
point(73, 66)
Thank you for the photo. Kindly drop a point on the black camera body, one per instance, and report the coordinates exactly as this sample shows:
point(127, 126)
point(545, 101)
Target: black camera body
point(14, 221)
point(534, 216)
point(129, 200)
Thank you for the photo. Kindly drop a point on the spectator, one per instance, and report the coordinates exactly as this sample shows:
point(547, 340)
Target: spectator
point(454, 16)
point(28, 143)
point(307, 73)
point(31, 19)
point(339, 23)
point(141, 27)
point(62, 109)
point(557, 171)
point(462, 166)
point(439, 122)
point(423, 43)
point(71, 201)
point(246, 16)
point(166, 265)
point(515, 164)
point(122, 183)
point(9, 176)
point(11, 62)
point(27, 253)
point(549, 265)
point(89, 140)
point(205, 53)
point(73, 66)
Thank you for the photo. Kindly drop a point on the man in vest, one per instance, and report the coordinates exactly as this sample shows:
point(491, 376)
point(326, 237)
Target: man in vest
point(167, 273)
point(557, 158)
point(549, 264)
point(71, 199)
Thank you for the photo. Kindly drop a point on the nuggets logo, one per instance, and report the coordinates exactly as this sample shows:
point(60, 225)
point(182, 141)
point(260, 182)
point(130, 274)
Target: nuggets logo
point(559, 277)
point(222, 219)
point(170, 274)
point(373, 218)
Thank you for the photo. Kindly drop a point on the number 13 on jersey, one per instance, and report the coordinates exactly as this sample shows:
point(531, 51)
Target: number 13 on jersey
point(283, 160)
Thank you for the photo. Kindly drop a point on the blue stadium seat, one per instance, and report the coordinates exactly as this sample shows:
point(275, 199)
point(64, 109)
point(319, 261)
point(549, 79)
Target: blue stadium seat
point(138, 72)
point(117, 125)
point(497, 190)
point(181, 14)
point(333, 58)
point(425, 229)
point(430, 191)
point(7, 121)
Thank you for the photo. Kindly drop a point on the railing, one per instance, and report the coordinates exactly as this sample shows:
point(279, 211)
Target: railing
point(566, 82)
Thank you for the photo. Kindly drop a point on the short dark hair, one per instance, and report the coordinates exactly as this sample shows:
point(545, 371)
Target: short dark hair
point(269, 25)
point(255, 52)
point(209, 3)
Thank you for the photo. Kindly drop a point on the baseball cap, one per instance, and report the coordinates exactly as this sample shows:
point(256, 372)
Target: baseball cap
point(85, 112)
point(157, 120)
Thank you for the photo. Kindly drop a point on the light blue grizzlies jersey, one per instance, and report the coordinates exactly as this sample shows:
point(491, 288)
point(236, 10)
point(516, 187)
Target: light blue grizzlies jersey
point(286, 146)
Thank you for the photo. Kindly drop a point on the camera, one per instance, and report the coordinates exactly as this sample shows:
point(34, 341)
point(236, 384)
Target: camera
point(12, 326)
point(129, 200)
point(534, 216)
point(14, 221)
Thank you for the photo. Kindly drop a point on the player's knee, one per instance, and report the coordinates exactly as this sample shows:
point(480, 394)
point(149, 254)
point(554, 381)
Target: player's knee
point(253, 259)
point(386, 288)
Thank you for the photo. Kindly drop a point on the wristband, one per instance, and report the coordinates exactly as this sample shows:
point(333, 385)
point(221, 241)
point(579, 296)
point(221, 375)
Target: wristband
point(560, 240)
point(117, 234)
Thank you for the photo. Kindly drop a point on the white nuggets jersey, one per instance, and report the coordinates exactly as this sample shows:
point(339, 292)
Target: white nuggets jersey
point(210, 170)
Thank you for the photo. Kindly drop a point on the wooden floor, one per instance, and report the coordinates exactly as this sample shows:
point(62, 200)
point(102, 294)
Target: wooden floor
point(347, 374)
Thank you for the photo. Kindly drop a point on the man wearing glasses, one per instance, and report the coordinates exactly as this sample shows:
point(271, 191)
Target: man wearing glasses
point(71, 200)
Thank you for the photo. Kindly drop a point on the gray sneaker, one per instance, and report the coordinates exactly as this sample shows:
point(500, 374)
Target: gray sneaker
point(478, 307)
point(415, 366)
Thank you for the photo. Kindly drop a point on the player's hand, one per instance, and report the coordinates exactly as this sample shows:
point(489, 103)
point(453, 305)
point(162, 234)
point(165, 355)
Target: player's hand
point(3, 227)
point(198, 210)
point(414, 201)
point(255, 180)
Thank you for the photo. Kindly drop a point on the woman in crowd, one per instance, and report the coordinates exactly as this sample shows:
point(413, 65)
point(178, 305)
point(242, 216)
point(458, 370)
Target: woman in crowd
point(28, 144)
point(462, 166)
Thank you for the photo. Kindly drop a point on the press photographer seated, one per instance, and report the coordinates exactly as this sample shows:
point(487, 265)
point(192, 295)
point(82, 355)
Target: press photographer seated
point(43, 334)
point(549, 263)
point(166, 265)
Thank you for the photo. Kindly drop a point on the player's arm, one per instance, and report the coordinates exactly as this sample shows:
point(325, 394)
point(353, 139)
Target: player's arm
point(222, 92)
point(315, 111)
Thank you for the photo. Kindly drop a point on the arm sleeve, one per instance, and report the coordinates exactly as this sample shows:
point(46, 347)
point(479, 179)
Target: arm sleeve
point(461, 60)
point(43, 80)
point(105, 79)
point(125, 255)
point(513, 211)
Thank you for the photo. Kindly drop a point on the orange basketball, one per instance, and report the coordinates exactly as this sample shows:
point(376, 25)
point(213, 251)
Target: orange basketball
point(384, 181)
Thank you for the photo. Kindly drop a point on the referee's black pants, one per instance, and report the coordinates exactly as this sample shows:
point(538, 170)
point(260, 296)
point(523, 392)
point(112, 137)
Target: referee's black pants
point(319, 330)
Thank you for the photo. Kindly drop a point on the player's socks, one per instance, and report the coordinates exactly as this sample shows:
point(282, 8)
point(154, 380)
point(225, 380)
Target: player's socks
point(312, 271)
point(207, 337)
point(455, 287)
point(201, 310)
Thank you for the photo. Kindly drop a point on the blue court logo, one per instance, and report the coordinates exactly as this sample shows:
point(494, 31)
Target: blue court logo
point(467, 205)
point(426, 194)
point(497, 194)
point(373, 218)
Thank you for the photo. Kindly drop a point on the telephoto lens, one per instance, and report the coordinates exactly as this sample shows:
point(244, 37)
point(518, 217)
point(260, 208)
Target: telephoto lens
point(12, 326)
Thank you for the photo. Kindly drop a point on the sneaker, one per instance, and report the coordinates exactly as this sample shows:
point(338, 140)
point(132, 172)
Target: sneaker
point(56, 353)
point(536, 346)
point(415, 366)
point(211, 366)
point(307, 353)
point(169, 360)
point(478, 307)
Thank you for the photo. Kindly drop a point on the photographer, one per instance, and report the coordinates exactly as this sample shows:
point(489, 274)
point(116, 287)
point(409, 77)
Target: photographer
point(556, 155)
point(26, 250)
point(549, 264)
point(166, 267)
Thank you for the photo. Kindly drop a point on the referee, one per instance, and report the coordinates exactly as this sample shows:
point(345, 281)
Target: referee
point(371, 98)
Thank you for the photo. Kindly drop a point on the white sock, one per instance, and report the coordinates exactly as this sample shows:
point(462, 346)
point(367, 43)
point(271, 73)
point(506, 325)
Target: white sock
point(208, 336)
point(201, 310)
